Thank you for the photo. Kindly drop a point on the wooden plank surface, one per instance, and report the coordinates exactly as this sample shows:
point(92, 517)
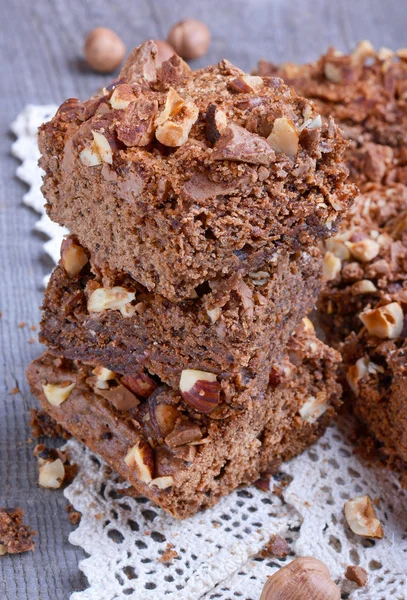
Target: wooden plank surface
point(40, 45)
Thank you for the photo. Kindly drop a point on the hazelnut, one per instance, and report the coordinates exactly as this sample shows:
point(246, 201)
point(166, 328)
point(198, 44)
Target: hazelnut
point(362, 51)
point(57, 393)
point(365, 286)
point(141, 458)
point(103, 50)
point(332, 72)
point(314, 407)
point(385, 322)
point(102, 147)
point(163, 417)
point(356, 372)
point(163, 482)
point(90, 157)
point(175, 121)
point(141, 384)
point(332, 266)
point(116, 298)
point(246, 84)
point(183, 433)
point(338, 248)
point(103, 376)
point(164, 52)
point(73, 257)
point(259, 277)
point(51, 473)
point(305, 578)
point(364, 250)
point(356, 574)
point(118, 395)
point(361, 517)
point(214, 313)
point(308, 325)
point(122, 96)
point(385, 53)
point(216, 123)
point(284, 137)
point(200, 390)
point(190, 38)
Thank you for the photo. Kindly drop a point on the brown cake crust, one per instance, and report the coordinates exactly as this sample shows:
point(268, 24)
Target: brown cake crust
point(174, 214)
point(366, 264)
point(198, 457)
point(253, 319)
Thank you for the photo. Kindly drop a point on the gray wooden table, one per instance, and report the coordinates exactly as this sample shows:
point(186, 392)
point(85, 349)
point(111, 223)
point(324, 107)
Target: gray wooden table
point(41, 44)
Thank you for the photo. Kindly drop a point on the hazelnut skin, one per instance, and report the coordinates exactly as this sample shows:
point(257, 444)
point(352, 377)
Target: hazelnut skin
point(103, 50)
point(190, 38)
point(165, 51)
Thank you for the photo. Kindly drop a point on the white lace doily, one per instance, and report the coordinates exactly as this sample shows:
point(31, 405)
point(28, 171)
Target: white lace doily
point(214, 553)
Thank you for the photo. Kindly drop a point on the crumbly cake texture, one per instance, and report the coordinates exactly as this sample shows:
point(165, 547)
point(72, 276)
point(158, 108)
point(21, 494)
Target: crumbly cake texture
point(178, 177)
point(364, 303)
point(15, 537)
point(181, 459)
point(234, 330)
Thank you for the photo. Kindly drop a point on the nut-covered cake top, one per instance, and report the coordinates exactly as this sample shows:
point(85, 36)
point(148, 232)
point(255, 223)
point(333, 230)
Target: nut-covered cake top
point(227, 162)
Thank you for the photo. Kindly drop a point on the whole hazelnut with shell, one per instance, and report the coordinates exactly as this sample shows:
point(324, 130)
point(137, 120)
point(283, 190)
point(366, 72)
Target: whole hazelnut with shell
point(103, 50)
point(190, 38)
point(305, 578)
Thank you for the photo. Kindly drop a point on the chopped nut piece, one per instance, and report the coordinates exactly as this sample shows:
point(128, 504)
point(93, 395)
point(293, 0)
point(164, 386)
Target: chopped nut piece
point(163, 482)
point(314, 407)
point(120, 397)
point(90, 157)
point(246, 84)
point(361, 517)
point(141, 457)
point(116, 298)
point(284, 137)
point(51, 473)
point(356, 574)
point(385, 53)
point(200, 389)
point(136, 127)
point(238, 144)
point(402, 53)
point(363, 50)
point(122, 96)
point(57, 393)
point(356, 372)
point(175, 122)
point(102, 147)
point(364, 250)
point(216, 123)
point(304, 578)
point(214, 313)
point(103, 376)
point(332, 72)
point(332, 266)
point(338, 247)
point(183, 433)
point(259, 277)
point(365, 286)
point(140, 64)
point(308, 325)
point(141, 384)
point(385, 322)
point(73, 257)
point(163, 417)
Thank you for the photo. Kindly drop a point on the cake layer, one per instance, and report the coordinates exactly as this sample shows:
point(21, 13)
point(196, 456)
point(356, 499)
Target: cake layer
point(178, 177)
point(181, 459)
point(232, 330)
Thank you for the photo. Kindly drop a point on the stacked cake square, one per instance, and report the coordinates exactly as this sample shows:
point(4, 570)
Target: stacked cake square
point(177, 345)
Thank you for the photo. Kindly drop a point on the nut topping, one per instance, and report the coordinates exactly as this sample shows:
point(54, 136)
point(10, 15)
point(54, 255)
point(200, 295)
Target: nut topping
point(73, 257)
point(140, 64)
point(136, 127)
point(365, 286)
point(200, 390)
point(314, 407)
point(122, 96)
point(163, 417)
point(385, 322)
point(141, 384)
point(361, 517)
point(175, 122)
point(356, 372)
point(284, 137)
point(246, 84)
point(57, 393)
point(238, 144)
point(116, 298)
point(364, 250)
point(51, 473)
point(332, 266)
point(216, 123)
point(214, 313)
point(141, 458)
point(338, 248)
point(103, 376)
point(304, 578)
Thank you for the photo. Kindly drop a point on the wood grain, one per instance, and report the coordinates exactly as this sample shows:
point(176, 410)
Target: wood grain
point(40, 47)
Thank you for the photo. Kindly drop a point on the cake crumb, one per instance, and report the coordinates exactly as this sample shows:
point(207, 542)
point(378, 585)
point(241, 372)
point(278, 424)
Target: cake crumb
point(15, 537)
point(357, 575)
point(14, 391)
point(21, 325)
point(169, 554)
point(276, 546)
point(73, 515)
